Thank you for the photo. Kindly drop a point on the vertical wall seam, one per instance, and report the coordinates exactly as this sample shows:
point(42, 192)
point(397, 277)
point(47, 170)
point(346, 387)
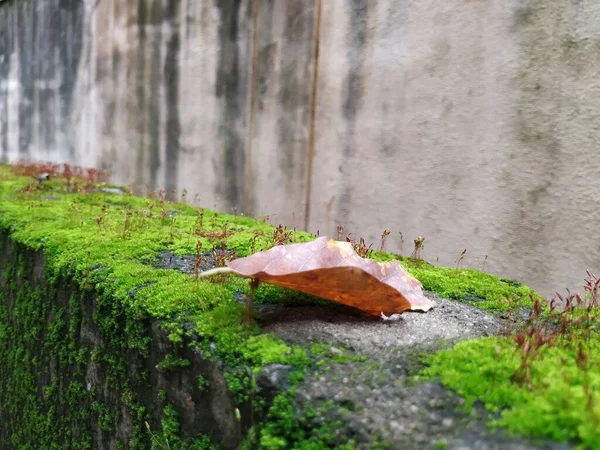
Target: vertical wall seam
point(248, 157)
point(313, 113)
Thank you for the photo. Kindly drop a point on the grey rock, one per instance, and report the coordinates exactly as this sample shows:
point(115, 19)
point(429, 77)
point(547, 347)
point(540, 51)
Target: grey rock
point(448, 422)
point(272, 380)
point(115, 191)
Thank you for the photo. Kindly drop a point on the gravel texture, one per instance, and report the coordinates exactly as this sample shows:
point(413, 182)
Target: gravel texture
point(187, 263)
point(366, 379)
point(377, 397)
point(448, 320)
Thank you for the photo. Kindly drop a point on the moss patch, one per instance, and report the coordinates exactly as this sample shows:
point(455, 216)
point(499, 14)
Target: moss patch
point(109, 239)
point(292, 424)
point(479, 288)
point(538, 383)
point(103, 245)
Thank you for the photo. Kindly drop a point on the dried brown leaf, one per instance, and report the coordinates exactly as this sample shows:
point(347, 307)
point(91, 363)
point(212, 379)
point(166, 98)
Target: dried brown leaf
point(333, 270)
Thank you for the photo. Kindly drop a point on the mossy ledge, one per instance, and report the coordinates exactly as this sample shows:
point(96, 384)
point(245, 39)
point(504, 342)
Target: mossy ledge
point(100, 347)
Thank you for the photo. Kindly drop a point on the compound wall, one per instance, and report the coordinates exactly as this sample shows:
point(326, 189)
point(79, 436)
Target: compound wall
point(474, 123)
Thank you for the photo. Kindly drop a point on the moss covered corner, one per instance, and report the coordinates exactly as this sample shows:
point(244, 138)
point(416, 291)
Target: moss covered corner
point(542, 380)
point(104, 345)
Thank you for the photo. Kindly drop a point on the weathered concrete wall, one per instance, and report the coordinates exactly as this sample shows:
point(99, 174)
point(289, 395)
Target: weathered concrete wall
point(470, 122)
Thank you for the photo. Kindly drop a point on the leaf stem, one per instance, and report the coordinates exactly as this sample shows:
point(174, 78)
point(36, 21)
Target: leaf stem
point(216, 271)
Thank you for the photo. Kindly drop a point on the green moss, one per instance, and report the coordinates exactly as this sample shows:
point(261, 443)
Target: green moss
point(203, 384)
point(555, 406)
point(317, 348)
point(42, 416)
point(487, 291)
point(287, 426)
point(270, 294)
point(294, 424)
point(441, 445)
point(482, 289)
point(339, 356)
point(100, 252)
point(104, 416)
point(170, 423)
point(171, 362)
point(106, 249)
point(267, 349)
point(168, 438)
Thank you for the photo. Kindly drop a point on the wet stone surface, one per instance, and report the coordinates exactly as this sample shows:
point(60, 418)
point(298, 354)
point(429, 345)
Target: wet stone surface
point(373, 392)
point(187, 263)
point(366, 382)
point(448, 320)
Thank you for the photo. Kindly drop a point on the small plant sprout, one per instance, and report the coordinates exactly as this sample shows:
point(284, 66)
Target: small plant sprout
point(213, 221)
point(282, 236)
point(92, 177)
point(592, 288)
point(224, 231)
point(569, 322)
point(198, 263)
point(99, 220)
point(340, 232)
point(419, 246)
point(219, 235)
point(360, 247)
point(221, 255)
point(200, 221)
point(172, 228)
point(68, 176)
point(127, 223)
point(253, 244)
point(401, 249)
point(150, 208)
point(460, 258)
point(384, 236)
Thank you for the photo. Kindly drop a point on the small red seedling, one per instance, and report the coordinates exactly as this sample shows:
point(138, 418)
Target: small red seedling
point(384, 236)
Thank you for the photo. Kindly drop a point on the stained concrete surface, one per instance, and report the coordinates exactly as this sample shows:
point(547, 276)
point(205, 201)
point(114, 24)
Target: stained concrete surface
point(471, 123)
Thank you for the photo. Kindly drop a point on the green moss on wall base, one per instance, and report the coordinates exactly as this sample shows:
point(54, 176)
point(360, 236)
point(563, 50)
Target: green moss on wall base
point(70, 378)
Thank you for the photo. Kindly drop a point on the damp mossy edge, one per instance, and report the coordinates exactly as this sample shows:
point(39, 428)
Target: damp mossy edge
point(103, 246)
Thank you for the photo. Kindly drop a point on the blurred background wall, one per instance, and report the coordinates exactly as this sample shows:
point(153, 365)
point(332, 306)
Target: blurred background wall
point(474, 123)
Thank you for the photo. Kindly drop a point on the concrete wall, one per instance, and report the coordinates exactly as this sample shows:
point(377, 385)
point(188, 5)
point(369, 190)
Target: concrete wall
point(473, 123)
